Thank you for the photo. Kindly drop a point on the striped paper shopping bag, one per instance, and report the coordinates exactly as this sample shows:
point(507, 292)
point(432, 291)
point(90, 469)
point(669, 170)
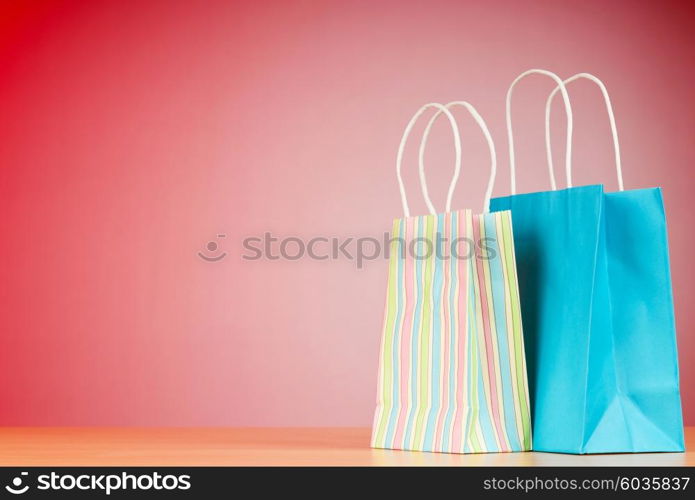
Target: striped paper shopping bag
point(452, 373)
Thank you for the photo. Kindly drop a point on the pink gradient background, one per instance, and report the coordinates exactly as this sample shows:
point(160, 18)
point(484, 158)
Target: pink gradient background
point(131, 133)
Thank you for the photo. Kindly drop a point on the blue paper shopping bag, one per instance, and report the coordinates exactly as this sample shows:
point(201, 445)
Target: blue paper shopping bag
point(598, 318)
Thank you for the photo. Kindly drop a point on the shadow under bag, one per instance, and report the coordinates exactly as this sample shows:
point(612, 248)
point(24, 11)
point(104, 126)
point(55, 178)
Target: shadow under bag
point(598, 315)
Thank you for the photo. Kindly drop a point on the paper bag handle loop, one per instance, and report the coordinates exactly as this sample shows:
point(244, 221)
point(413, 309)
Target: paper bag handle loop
point(611, 118)
point(491, 146)
point(510, 133)
point(401, 149)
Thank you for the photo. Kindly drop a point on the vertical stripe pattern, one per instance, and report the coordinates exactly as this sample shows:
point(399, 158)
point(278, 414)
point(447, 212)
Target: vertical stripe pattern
point(452, 371)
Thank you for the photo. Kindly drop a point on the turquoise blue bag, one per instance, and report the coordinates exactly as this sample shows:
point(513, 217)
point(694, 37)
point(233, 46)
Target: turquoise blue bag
point(597, 312)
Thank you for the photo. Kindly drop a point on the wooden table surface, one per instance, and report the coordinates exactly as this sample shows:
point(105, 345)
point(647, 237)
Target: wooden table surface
point(85, 446)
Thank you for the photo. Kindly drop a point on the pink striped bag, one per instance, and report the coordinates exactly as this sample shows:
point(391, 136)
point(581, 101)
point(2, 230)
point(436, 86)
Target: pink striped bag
point(452, 370)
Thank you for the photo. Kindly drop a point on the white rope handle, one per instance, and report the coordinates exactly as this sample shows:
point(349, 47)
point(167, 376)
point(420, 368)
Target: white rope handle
point(493, 157)
point(401, 149)
point(611, 118)
point(510, 133)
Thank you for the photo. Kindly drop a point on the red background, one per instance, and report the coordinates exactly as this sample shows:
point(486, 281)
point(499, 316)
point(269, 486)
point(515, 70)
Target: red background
point(133, 132)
